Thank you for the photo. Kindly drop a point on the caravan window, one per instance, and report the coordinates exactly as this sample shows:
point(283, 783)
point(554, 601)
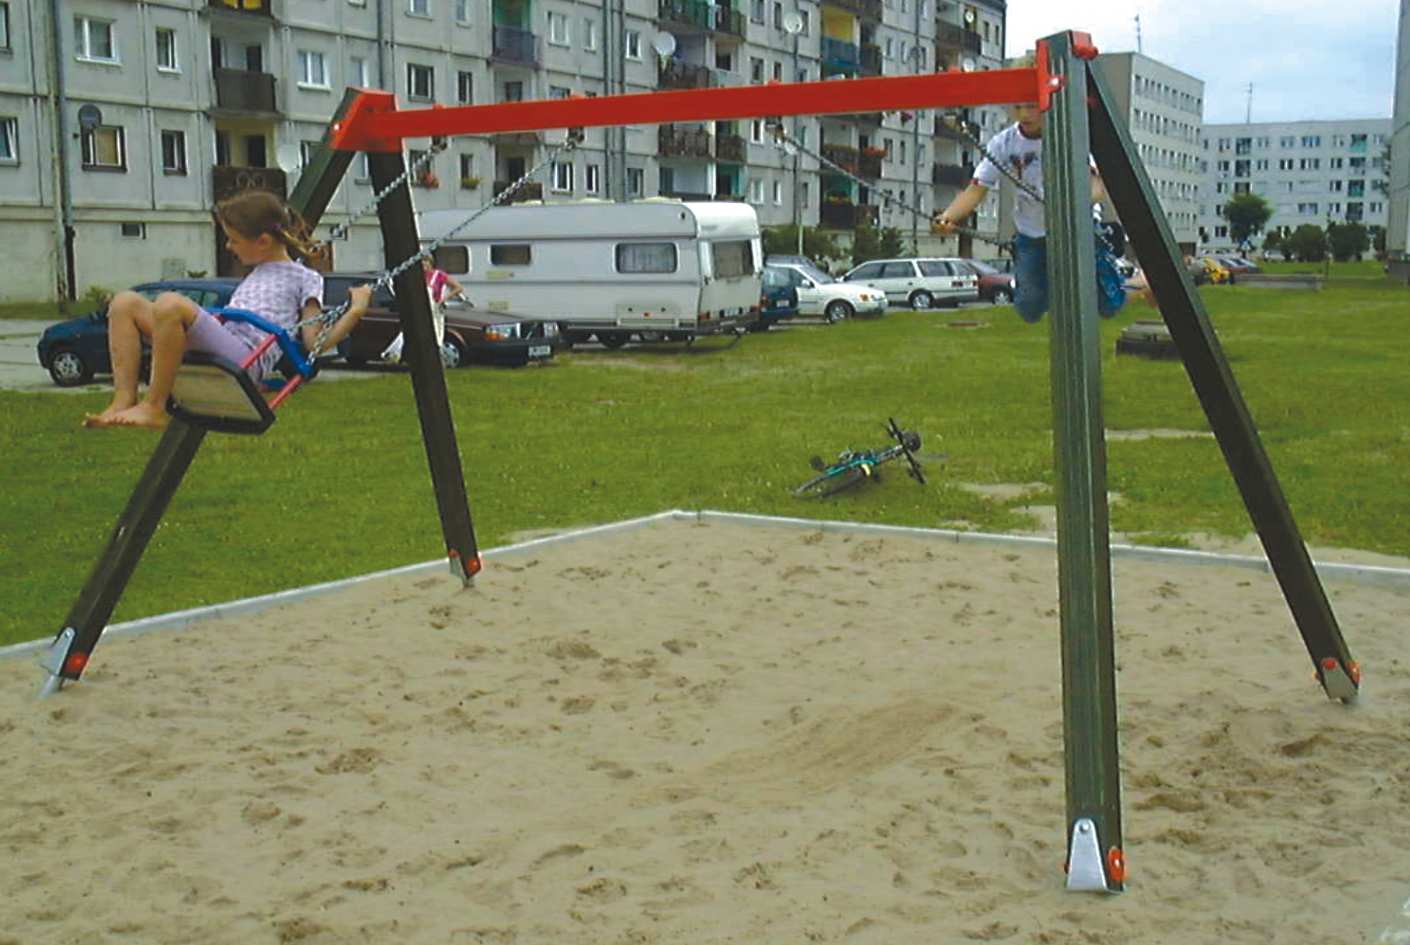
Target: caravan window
point(646, 257)
point(509, 254)
point(452, 259)
point(732, 259)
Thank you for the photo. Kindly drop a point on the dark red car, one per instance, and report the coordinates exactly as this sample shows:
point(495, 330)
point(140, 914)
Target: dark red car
point(994, 286)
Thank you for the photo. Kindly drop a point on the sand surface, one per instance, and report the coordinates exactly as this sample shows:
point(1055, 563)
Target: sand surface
point(705, 734)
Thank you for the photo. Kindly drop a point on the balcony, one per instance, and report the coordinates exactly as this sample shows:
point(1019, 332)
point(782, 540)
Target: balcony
point(843, 155)
point(949, 37)
point(846, 216)
point(729, 148)
point(678, 74)
point(839, 56)
point(514, 45)
point(227, 181)
point(871, 59)
point(869, 164)
point(862, 118)
point(685, 195)
point(700, 16)
point(245, 93)
point(683, 142)
point(531, 190)
point(867, 9)
point(951, 175)
point(244, 7)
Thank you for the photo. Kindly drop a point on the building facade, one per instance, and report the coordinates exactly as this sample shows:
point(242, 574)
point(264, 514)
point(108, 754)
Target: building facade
point(1164, 110)
point(122, 124)
point(1398, 196)
point(1316, 172)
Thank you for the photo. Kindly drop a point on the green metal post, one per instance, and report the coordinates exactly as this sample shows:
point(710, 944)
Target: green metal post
point(1079, 445)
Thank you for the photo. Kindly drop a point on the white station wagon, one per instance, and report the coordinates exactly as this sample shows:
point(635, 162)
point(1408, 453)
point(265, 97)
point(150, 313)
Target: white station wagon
point(919, 283)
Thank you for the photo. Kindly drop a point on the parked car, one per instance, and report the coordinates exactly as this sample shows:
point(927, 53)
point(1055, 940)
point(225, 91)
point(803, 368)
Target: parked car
point(472, 335)
point(821, 294)
point(919, 283)
point(1238, 265)
point(994, 286)
point(778, 298)
point(1215, 270)
point(75, 351)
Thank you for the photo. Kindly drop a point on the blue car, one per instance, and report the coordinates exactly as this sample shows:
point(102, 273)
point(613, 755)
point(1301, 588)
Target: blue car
point(76, 350)
point(778, 299)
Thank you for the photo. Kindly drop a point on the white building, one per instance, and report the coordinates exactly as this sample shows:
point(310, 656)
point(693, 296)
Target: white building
point(1398, 196)
point(1163, 109)
point(1309, 171)
point(201, 98)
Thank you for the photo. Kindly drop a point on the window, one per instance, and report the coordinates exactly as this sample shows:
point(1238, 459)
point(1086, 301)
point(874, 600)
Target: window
point(133, 230)
point(557, 29)
point(313, 69)
point(1307, 209)
point(804, 197)
point(559, 91)
point(756, 69)
point(934, 267)
point(807, 18)
point(468, 179)
point(465, 88)
point(174, 152)
point(420, 82)
point(1285, 164)
point(9, 140)
point(646, 257)
point(631, 43)
point(513, 91)
point(756, 11)
point(589, 34)
point(778, 15)
point(94, 39)
point(1287, 141)
point(452, 259)
point(357, 69)
point(1311, 141)
point(1334, 163)
point(104, 148)
point(419, 7)
point(756, 131)
point(889, 48)
point(636, 181)
point(778, 72)
point(462, 12)
point(778, 192)
point(732, 258)
point(166, 51)
point(592, 178)
point(510, 254)
point(756, 191)
point(1310, 164)
point(4, 26)
point(563, 176)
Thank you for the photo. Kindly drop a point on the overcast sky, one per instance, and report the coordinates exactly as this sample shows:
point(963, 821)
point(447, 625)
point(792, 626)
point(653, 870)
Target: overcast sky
point(1307, 59)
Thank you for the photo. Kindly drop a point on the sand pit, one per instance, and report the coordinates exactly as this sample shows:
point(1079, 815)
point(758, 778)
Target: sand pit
point(707, 734)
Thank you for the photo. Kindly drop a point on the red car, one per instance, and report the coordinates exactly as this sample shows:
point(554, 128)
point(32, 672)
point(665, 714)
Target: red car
point(994, 286)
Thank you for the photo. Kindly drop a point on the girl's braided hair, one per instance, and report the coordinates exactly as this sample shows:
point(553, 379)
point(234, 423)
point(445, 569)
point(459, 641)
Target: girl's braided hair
point(254, 213)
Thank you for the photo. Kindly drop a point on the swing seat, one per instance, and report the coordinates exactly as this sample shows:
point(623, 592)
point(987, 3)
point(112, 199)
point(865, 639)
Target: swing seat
point(218, 395)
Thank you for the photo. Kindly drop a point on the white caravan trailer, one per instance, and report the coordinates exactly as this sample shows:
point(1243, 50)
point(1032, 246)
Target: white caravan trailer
point(658, 269)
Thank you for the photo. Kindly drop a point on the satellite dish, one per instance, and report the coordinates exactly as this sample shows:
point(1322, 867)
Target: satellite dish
point(664, 44)
point(967, 64)
point(969, 17)
point(288, 157)
point(89, 117)
point(792, 23)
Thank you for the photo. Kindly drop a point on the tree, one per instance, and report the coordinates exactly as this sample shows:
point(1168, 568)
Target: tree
point(1347, 240)
point(1272, 242)
point(866, 245)
point(890, 244)
point(1307, 243)
point(783, 241)
point(1378, 242)
point(1246, 214)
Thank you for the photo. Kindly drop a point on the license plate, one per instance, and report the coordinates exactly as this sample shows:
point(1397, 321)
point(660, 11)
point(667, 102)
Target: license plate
point(540, 351)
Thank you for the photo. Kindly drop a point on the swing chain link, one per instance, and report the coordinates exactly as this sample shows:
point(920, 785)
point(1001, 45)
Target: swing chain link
point(411, 172)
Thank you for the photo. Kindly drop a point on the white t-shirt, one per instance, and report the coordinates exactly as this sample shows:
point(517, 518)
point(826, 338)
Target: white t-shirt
point(278, 291)
point(1023, 156)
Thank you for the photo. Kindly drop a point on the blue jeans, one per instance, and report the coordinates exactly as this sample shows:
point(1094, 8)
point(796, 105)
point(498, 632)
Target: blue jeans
point(1030, 277)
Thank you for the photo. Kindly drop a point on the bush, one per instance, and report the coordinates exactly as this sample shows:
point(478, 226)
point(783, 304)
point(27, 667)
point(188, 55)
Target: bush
point(1348, 240)
point(783, 241)
point(866, 245)
point(890, 244)
point(1307, 243)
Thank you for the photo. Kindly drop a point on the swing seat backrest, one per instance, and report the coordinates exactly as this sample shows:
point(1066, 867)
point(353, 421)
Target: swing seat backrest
point(295, 357)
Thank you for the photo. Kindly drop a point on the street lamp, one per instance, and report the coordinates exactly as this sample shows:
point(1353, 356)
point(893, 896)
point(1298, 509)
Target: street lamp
point(793, 25)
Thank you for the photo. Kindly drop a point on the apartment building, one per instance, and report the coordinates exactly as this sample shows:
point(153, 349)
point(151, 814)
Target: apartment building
point(1164, 111)
point(1316, 172)
point(123, 123)
point(1398, 192)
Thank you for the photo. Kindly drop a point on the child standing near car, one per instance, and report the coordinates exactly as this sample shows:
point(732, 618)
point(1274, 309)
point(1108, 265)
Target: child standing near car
point(1019, 148)
point(262, 233)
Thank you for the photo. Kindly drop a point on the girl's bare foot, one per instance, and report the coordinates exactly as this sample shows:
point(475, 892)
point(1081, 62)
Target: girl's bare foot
point(141, 415)
point(109, 414)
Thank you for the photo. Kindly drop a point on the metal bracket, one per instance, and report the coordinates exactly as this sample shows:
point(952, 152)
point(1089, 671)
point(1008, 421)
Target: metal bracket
point(1086, 871)
point(1341, 682)
point(52, 662)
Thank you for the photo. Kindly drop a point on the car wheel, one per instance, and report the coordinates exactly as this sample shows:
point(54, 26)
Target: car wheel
point(452, 354)
point(921, 301)
point(68, 369)
point(613, 340)
point(651, 337)
point(1002, 296)
point(837, 310)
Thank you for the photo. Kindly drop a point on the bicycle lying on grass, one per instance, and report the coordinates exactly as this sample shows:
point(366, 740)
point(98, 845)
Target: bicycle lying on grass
point(855, 466)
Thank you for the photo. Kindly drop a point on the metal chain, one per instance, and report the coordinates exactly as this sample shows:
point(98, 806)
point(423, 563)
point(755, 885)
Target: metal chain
point(783, 137)
point(341, 230)
point(388, 276)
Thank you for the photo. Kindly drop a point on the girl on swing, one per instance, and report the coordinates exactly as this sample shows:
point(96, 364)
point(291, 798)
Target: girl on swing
point(262, 233)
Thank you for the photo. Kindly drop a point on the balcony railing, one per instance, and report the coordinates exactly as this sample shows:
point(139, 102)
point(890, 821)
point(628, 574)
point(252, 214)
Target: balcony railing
point(871, 59)
point(839, 55)
point(701, 16)
point(227, 181)
point(512, 44)
point(861, 118)
point(950, 36)
point(685, 195)
point(529, 190)
point(253, 7)
point(869, 9)
point(869, 165)
point(846, 216)
point(677, 74)
point(951, 175)
point(239, 91)
point(683, 142)
point(729, 148)
point(843, 155)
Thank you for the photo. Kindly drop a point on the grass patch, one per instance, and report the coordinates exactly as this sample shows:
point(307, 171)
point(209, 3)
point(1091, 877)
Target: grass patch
point(339, 486)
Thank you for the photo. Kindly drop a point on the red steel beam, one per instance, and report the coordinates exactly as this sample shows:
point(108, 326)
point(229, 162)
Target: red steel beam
point(373, 122)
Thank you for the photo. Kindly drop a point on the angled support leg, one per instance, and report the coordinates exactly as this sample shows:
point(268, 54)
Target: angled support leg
point(1094, 857)
point(67, 657)
point(1149, 234)
point(423, 355)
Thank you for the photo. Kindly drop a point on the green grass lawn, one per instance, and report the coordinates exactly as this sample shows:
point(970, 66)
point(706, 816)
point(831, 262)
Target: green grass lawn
point(339, 485)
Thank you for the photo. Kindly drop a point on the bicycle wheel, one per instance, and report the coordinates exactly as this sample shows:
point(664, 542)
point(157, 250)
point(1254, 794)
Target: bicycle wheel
point(830, 483)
